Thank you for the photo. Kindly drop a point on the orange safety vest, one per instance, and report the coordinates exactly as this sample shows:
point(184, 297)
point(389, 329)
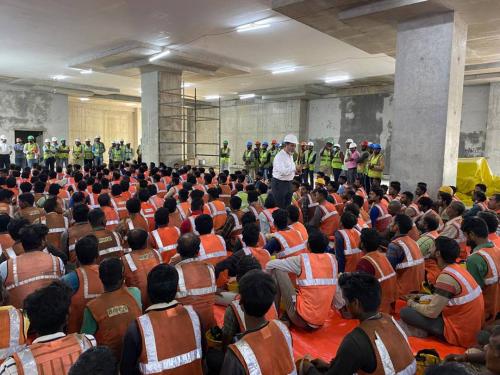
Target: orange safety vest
point(53, 357)
point(148, 213)
point(197, 287)
point(238, 228)
point(256, 209)
point(330, 219)
point(261, 243)
point(161, 189)
point(12, 337)
point(93, 199)
point(225, 195)
point(459, 237)
point(57, 224)
point(361, 224)
point(411, 271)
point(384, 219)
point(164, 351)
point(390, 345)
point(32, 214)
point(156, 202)
point(28, 272)
point(268, 213)
point(109, 244)
point(362, 193)
point(262, 255)
point(218, 213)
point(386, 276)
point(184, 209)
point(291, 243)
point(119, 203)
point(165, 241)
point(137, 222)
point(75, 232)
point(90, 287)
point(463, 315)
point(6, 208)
point(495, 239)
point(113, 312)
point(175, 219)
point(491, 289)
point(112, 218)
point(271, 314)
point(6, 243)
point(136, 266)
point(317, 284)
point(352, 252)
point(299, 227)
point(432, 270)
point(266, 351)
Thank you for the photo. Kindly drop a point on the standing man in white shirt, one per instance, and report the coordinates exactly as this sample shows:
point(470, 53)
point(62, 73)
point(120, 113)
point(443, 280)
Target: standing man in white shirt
point(5, 151)
point(283, 172)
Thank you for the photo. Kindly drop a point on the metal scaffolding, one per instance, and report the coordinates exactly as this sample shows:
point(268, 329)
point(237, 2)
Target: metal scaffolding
point(189, 129)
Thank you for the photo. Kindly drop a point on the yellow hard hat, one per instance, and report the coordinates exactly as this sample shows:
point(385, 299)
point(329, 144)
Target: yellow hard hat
point(446, 189)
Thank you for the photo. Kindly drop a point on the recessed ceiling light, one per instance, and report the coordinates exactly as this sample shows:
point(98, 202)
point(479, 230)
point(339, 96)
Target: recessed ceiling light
point(86, 71)
point(212, 97)
point(84, 99)
point(252, 26)
point(185, 85)
point(131, 104)
point(247, 96)
point(336, 79)
point(59, 77)
point(284, 70)
point(159, 55)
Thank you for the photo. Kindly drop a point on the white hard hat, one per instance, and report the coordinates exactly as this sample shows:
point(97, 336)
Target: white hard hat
point(121, 140)
point(3, 137)
point(349, 140)
point(353, 145)
point(97, 137)
point(290, 138)
point(87, 140)
point(336, 145)
point(54, 139)
point(77, 140)
point(47, 140)
point(310, 143)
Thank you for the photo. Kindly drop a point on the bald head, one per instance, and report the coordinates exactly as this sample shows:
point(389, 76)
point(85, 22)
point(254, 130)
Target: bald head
point(188, 245)
point(394, 208)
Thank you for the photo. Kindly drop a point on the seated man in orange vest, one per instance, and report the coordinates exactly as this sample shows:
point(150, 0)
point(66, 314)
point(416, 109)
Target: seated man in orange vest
point(139, 262)
point(164, 237)
point(187, 225)
point(97, 361)
point(379, 216)
point(108, 316)
point(168, 329)
point(294, 223)
point(217, 208)
point(232, 226)
point(405, 257)
point(197, 285)
point(285, 242)
point(309, 306)
point(491, 220)
point(347, 240)
point(359, 351)
point(484, 264)
point(265, 347)
point(456, 311)
point(47, 310)
point(326, 217)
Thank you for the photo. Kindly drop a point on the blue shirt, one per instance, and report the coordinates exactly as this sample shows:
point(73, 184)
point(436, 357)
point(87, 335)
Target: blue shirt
point(374, 214)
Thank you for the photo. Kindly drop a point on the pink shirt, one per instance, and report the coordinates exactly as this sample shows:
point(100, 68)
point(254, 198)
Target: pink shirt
point(353, 162)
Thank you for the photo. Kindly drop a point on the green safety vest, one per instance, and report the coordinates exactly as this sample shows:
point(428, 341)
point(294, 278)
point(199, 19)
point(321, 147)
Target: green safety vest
point(48, 151)
point(63, 152)
point(87, 152)
point(273, 152)
point(326, 158)
point(264, 163)
point(117, 154)
point(374, 160)
point(249, 157)
point(224, 153)
point(308, 158)
point(128, 153)
point(31, 149)
point(336, 162)
point(244, 199)
point(78, 151)
point(262, 199)
point(99, 149)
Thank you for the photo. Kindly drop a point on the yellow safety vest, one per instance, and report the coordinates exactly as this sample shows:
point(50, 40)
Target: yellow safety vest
point(374, 160)
point(78, 151)
point(63, 152)
point(326, 158)
point(336, 162)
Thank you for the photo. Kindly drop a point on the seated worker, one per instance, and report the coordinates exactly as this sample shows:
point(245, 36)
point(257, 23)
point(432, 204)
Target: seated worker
point(347, 240)
point(112, 218)
point(16, 249)
point(109, 242)
point(425, 205)
point(56, 222)
point(362, 216)
point(494, 203)
point(80, 228)
point(157, 331)
point(480, 204)
point(378, 333)
point(147, 210)
point(196, 210)
point(405, 257)
point(139, 262)
point(217, 208)
point(249, 218)
point(483, 264)
point(107, 317)
point(134, 219)
point(84, 282)
point(33, 269)
point(27, 210)
point(426, 245)
point(456, 310)
point(254, 206)
point(379, 216)
point(232, 226)
point(164, 237)
point(212, 246)
point(492, 222)
point(265, 218)
point(375, 263)
point(326, 217)
point(294, 221)
point(197, 284)
point(285, 242)
point(265, 347)
point(98, 360)
point(174, 215)
point(452, 227)
point(47, 310)
point(309, 306)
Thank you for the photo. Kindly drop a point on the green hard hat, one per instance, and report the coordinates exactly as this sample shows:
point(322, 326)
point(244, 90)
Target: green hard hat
point(30, 137)
point(329, 140)
point(225, 142)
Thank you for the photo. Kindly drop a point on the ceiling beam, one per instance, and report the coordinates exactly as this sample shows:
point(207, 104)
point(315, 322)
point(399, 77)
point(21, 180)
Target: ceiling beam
point(61, 84)
point(476, 77)
point(161, 63)
point(202, 57)
point(474, 67)
point(375, 7)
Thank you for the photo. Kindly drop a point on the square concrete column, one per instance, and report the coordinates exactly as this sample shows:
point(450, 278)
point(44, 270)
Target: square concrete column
point(161, 112)
point(492, 149)
point(428, 88)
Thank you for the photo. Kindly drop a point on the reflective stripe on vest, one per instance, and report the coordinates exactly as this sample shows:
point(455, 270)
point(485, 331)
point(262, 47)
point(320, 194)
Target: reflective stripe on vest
point(130, 262)
point(377, 266)
point(154, 366)
point(159, 242)
point(86, 293)
point(249, 356)
point(204, 256)
point(184, 292)
point(193, 225)
point(113, 249)
point(385, 357)
point(237, 224)
point(28, 362)
point(383, 214)
point(491, 264)
point(410, 262)
point(471, 295)
point(14, 334)
point(10, 252)
point(348, 250)
point(43, 220)
point(214, 211)
point(310, 280)
point(18, 283)
point(326, 214)
point(287, 250)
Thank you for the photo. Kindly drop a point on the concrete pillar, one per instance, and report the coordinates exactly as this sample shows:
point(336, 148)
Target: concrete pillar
point(162, 135)
point(492, 150)
point(428, 87)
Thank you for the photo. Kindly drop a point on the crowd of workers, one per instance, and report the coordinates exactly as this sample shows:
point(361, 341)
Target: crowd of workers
point(108, 268)
point(55, 152)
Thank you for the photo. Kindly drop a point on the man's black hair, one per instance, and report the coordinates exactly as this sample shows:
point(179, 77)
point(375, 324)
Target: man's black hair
point(426, 203)
point(409, 194)
point(86, 249)
point(257, 291)
point(98, 360)
point(476, 226)
point(247, 218)
point(197, 204)
point(162, 216)
point(251, 234)
point(14, 227)
point(348, 220)
point(491, 220)
point(162, 283)
point(361, 287)
point(80, 213)
point(246, 264)
point(235, 202)
point(4, 222)
point(448, 368)
point(404, 223)
point(280, 217)
point(50, 205)
point(293, 213)
point(188, 245)
point(270, 202)
point(111, 272)
point(27, 198)
point(317, 241)
point(104, 200)
point(378, 191)
point(448, 248)
point(253, 196)
point(431, 222)
point(204, 224)
point(133, 205)
point(137, 239)
point(32, 236)
point(370, 239)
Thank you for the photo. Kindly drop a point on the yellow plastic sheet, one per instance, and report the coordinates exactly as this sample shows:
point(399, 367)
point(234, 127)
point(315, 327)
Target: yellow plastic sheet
point(472, 171)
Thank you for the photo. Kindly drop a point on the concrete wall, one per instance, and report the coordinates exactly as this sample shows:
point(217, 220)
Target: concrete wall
point(474, 121)
point(31, 110)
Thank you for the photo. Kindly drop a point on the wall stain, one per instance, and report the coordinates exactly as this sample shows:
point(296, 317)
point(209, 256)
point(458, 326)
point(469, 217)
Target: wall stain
point(472, 144)
point(26, 109)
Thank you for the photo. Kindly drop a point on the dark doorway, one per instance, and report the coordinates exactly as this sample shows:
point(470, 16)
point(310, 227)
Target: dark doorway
point(23, 134)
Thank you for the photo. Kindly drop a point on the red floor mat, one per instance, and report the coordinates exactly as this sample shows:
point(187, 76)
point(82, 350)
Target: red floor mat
point(324, 342)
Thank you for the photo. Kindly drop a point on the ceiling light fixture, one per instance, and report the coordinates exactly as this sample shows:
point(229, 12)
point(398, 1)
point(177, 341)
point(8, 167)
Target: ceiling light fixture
point(86, 71)
point(185, 85)
point(212, 97)
point(59, 77)
point(284, 70)
point(337, 79)
point(159, 55)
point(247, 96)
point(253, 26)
point(84, 99)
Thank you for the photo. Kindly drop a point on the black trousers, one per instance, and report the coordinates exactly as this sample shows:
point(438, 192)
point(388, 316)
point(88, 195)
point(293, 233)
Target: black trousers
point(4, 161)
point(435, 327)
point(49, 163)
point(282, 192)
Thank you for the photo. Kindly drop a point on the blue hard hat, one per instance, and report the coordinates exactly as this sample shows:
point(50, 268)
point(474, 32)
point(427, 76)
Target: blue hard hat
point(249, 143)
point(376, 146)
point(265, 143)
